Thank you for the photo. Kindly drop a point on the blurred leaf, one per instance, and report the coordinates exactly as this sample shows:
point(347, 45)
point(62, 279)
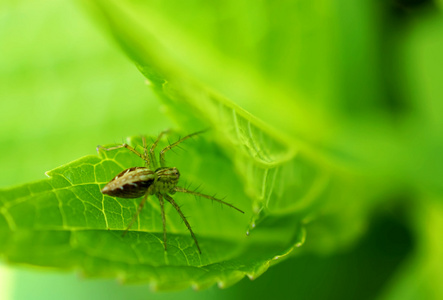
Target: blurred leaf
point(420, 277)
point(65, 222)
point(63, 90)
point(267, 63)
point(423, 61)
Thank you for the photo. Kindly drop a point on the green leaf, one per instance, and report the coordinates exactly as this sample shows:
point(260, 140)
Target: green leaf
point(65, 222)
point(285, 150)
point(312, 126)
point(294, 158)
point(269, 163)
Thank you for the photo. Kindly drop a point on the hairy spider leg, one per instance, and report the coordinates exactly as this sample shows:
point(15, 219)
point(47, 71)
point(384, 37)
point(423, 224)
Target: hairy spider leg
point(145, 150)
point(146, 159)
point(167, 148)
point(183, 190)
point(151, 151)
point(162, 206)
point(140, 207)
point(177, 208)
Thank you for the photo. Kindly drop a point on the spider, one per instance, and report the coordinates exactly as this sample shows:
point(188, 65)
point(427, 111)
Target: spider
point(153, 179)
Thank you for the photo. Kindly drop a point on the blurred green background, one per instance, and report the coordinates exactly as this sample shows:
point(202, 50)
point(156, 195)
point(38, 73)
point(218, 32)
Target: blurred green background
point(65, 87)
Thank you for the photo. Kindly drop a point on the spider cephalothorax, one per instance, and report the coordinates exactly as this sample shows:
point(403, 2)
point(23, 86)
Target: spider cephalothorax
point(136, 182)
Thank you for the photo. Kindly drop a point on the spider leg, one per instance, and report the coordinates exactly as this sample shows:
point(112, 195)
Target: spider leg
point(145, 148)
point(183, 190)
point(151, 151)
point(160, 198)
point(167, 148)
point(177, 208)
point(127, 147)
point(140, 207)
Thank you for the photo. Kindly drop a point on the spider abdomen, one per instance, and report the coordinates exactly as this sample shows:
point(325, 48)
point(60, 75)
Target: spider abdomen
point(130, 183)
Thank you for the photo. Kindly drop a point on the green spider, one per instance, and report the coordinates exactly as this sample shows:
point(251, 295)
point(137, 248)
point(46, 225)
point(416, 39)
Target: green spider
point(153, 179)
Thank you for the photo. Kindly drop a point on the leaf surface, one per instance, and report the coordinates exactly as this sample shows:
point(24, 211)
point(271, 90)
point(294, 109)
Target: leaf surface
point(65, 222)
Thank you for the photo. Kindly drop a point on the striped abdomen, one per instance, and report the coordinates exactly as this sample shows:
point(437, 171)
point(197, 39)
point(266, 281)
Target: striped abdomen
point(130, 183)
